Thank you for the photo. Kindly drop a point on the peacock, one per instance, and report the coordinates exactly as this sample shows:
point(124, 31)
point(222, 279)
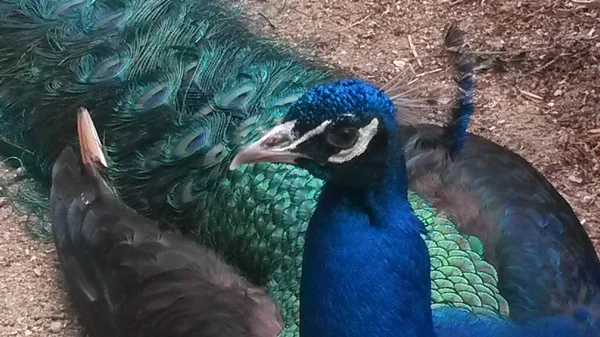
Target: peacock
point(366, 266)
point(176, 87)
point(129, 278)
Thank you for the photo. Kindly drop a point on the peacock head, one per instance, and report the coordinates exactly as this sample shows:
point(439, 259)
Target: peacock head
point(341, 132)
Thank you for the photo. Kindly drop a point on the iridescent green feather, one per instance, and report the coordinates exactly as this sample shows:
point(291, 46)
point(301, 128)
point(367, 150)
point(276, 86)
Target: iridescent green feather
point(175, 88)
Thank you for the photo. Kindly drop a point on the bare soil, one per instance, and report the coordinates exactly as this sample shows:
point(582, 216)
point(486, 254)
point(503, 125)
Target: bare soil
point(538, 94)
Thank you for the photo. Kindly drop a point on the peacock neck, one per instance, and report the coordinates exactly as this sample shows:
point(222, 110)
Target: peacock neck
point(366, 267)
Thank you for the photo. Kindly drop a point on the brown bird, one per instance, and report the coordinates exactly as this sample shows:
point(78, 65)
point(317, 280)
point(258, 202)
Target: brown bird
point(128, 277)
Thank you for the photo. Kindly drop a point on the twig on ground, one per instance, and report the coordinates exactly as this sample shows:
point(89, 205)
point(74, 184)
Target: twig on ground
point(429, 72)
point(414, 50)
point(530, 95)
point(268, 20)
point(355, 23)
point(542, 67)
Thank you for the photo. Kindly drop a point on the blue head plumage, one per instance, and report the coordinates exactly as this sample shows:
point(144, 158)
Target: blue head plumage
point(329, 131)
point(342, 97)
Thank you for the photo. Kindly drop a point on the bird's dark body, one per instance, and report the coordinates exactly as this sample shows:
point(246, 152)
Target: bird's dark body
point(128, 278)
point(545, 260)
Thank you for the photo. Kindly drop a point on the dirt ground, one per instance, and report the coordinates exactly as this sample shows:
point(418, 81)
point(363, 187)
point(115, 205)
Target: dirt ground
point(539, 95)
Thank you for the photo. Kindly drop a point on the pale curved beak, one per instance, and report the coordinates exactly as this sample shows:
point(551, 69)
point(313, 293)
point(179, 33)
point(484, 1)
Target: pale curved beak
point(276, 146)
point(89, 142)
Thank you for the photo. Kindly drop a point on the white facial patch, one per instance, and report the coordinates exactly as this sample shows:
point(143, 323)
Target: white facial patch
point(365, 135)
point(289, 126)
point(283, 131)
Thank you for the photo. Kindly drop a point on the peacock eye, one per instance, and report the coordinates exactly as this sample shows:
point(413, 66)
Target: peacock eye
point(343, 137)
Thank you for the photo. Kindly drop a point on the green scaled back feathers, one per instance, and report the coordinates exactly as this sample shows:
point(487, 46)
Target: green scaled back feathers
point(175, 87)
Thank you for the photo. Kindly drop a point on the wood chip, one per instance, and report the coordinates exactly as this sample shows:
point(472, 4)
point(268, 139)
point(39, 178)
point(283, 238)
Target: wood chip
point(575, 179)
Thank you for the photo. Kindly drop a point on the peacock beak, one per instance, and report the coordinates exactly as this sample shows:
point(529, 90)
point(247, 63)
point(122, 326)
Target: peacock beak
point(276, 146)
